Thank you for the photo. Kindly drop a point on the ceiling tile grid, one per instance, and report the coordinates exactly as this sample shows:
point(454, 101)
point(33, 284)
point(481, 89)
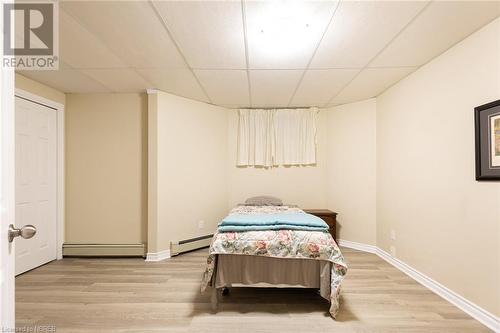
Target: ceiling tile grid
point(130, 29)
point(89, 52)
point(180, 82)
point(225, 87)
point(67, 80)
point(369, 83)
point(118, 79)
point(361, 29)
point(273, 87)
point(439, 27)
point(209, 33)
point(255, 54)
point(319, 85)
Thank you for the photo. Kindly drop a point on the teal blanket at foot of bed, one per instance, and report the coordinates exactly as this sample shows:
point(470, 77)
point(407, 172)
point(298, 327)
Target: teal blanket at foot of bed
point(234, 228)
point(255, 222)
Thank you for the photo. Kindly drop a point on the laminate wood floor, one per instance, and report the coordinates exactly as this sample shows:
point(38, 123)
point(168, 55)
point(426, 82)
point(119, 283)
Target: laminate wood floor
point(130, 295)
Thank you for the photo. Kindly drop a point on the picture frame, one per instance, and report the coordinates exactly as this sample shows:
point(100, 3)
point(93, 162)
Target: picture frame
point(487, 137)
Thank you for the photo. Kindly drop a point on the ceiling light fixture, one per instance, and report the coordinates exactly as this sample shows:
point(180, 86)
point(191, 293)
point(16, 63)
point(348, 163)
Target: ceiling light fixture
point(281, 28)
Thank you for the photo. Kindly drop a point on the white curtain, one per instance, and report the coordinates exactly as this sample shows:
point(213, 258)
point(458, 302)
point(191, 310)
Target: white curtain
point(275, 137)
point(255, 138)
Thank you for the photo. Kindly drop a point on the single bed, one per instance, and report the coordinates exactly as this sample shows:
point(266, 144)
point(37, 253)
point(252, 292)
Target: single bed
point(277, 257)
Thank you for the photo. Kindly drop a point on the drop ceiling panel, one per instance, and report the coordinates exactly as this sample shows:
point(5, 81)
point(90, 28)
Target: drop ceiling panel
point(131, 30)
point(228, 87)
point(361, 29)
point(273, 87)
point(118, 80)
point(319, 85)
point(210, 33)
point(284, 34)
point(175, 81)
point(67, 81)
point(439, 27)
point(81, 49)
point(122, 46)
point(371, 82)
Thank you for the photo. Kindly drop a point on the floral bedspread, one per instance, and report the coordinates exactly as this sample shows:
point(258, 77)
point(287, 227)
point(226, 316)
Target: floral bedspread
point(297, 244)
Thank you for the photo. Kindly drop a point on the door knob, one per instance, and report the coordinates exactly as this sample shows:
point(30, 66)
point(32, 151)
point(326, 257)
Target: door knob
point(25, 232)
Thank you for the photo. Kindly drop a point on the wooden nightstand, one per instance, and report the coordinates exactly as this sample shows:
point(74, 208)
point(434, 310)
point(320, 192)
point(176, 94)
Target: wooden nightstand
point(328, 216)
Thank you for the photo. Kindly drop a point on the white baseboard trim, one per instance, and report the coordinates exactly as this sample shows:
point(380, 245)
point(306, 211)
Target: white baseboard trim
point(157, 256)
point(486, 318)
point(357, 246)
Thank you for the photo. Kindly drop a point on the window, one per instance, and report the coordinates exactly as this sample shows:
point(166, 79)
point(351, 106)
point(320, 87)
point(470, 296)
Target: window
point(273, 137)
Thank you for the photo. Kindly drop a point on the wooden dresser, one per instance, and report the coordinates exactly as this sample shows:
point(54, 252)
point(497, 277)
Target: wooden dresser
point(328, 216)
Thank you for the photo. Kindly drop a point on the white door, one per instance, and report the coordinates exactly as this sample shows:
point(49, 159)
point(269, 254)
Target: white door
point(36, 170)
point(7, 191)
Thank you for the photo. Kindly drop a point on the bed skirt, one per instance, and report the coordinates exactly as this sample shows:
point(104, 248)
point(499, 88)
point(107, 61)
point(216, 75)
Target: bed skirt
point(237, 270)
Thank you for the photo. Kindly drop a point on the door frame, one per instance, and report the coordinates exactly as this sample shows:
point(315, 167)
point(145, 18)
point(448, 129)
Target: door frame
point(7, 192)
point(60, 193)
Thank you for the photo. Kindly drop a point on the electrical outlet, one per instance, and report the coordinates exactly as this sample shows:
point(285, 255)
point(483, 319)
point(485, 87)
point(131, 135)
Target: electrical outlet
point(393, 234)
point(201, 224)
point(393, 251)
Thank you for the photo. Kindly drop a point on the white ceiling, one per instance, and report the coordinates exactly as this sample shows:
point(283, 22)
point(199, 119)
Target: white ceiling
point(243, 54)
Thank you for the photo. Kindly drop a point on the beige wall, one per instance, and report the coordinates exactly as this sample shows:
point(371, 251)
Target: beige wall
point(191, 168)
point(301, 185)
point(351, 151)
point(446, 223)
point(407, 168)
point(39, 89)
point(106, 175)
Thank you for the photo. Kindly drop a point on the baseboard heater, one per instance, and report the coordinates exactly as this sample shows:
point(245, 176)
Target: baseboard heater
point(103, 250)
point(189, 244)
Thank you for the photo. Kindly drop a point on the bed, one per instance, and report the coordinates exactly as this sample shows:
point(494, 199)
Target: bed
point(288, 253)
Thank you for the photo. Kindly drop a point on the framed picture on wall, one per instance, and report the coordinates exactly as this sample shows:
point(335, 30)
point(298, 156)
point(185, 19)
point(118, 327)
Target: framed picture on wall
point(487, 126)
